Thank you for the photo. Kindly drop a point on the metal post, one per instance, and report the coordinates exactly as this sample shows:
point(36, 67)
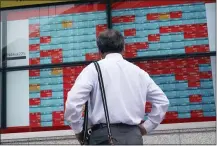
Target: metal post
point(109, 13)
point(4, 77)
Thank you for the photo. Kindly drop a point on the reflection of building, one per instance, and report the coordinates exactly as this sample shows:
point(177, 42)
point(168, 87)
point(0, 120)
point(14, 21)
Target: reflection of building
point(65, 35)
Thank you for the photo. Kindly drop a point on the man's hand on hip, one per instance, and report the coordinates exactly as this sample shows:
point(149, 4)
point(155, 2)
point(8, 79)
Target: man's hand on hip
point(142, 128)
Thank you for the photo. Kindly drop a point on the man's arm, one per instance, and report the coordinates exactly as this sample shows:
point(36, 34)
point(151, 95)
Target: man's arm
point(159, 102)
point(77, 97)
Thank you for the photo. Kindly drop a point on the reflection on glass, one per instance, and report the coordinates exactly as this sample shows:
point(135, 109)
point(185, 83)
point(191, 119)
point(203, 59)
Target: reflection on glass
point(54, 34)
point(161, 28)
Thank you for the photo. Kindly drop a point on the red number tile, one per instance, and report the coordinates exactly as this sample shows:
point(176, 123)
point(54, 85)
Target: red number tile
point(204, 60)
point(177, 14)
point(130, 32)
point(58, 122)
point(34, 34)
point(34, 61)
point(34, 116)
point(206, 75)
point(58, 115)
point(154, 37)
point(194, 83)
point(171, 115)
point(123, 19)
point(195, 98)
point(45, 39)
point(68, 71)
point(34, 73)
point(92, 56)
point(34, 47)
point(35, 124)
point(153, 16)
point(165, 29)
point(46, 93)
point(56, 59)
point(130, 54)
point(34, 101)
point(197, 113)
point(181, 77)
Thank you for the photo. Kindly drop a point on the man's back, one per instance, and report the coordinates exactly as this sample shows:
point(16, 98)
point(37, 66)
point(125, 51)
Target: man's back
point(125, 91)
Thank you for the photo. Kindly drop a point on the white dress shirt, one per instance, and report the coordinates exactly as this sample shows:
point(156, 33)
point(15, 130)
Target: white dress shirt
point(127, 89)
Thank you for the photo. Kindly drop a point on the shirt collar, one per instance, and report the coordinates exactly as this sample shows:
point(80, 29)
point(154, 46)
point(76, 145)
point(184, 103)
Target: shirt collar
point(117, 56)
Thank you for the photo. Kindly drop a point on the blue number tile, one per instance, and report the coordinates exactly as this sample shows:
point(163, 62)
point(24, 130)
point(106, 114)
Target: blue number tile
point(34, 41)
point(45, 73)
point(169, 87)
point(45, 60)
point(154, 46)
point(181, 86)
point(194, 91)
point(165, 38)
point(34, 109)
point(49, 102)
point(175, 22)
point(195, 107)
point(202, 42)
point(205, 68)
point(34, 95)
point(178, 51)
point(46, 118)
point(207, 92)
point(172, 108)
point(45, 47)
point(184, 109)
point(46, 124)
point(167, 45)
point(209, 114)
point(208, 99)
point(208, 107)
point(184, 115)
point(189, 42)
point(182, 93)
point(34, 81)
point(34, 54)
point(141, 12)
point(153, 10)
point(57, 94)
point(163, 9)
point(69, 59)
point(45, 27)
point(178, 45)
point(200, 21)
point(141, 19)
point(206, 84)
point(34, 20)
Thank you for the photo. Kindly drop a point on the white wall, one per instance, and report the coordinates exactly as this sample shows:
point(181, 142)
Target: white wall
point(18, 41)
point(18, 98)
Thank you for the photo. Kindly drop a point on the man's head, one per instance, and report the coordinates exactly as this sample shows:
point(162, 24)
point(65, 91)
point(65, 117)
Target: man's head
point(110, 41)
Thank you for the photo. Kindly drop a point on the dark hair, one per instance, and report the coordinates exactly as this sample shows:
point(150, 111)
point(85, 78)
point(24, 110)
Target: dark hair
point(110, 41)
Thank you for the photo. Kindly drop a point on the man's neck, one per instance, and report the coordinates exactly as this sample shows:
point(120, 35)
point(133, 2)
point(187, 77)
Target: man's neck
point(104, 54)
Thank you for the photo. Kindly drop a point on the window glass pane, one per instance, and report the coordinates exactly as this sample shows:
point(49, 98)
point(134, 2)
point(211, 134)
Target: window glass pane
point(170, 28)
point(35, 98)
point(164, 28)
point(54, 34)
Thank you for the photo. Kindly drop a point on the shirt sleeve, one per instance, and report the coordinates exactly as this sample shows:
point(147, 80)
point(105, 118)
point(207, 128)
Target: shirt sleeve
point(159, 103)
point(77, 97)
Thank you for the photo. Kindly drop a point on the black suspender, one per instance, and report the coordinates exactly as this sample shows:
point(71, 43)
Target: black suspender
point(86, 133)
point(102, 89)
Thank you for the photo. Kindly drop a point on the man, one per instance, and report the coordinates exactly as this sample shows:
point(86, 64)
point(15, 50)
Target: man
point(127, 89)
